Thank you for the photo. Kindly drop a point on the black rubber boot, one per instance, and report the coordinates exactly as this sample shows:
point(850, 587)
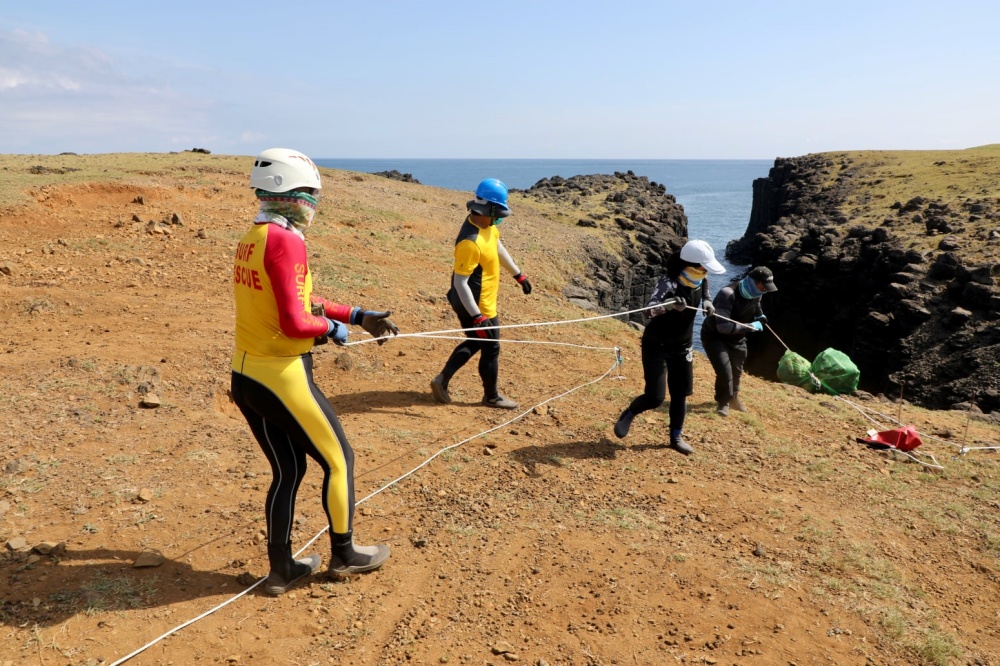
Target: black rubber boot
point(350, 559)
point(285, 571)
point(500, 402)
point(677, 443)
point(439, 389)
point(624, 424)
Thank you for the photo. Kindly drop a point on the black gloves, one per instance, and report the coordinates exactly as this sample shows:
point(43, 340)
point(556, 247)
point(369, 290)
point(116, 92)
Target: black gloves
point(522, 280)
point(761, 318)
point(676, 303)
point(378, 324)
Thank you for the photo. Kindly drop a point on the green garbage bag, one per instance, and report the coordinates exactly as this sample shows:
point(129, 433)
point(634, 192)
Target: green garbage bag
point(794, 369)
point(836, 372)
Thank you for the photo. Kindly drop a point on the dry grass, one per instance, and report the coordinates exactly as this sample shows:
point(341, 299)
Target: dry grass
point(950, 176)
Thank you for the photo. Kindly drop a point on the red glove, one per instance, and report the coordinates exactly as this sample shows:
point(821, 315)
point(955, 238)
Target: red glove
point(478, 323)
point(522, 280)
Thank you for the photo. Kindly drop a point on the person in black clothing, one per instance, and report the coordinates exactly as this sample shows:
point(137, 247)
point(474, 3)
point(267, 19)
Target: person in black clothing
point(737, 313)
point(666, 342)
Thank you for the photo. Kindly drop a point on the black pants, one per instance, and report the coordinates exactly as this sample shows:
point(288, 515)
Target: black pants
point(727, 359)
point(489, 353)
point(663, 368)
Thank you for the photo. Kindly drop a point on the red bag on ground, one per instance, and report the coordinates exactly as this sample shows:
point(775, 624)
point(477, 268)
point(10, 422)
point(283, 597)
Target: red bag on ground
point(904, 439)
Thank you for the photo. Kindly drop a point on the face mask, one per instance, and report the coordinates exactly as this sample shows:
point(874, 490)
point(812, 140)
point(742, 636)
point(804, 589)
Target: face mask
point(748, 289)
point(298, 208)
point(692, 276)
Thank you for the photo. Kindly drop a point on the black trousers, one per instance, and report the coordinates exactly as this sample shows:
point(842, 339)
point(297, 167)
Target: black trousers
point(665, 368)
point(488, 349)
point(727, 358)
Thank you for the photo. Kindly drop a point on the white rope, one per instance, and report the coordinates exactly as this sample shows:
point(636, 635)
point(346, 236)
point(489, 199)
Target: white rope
point(522, 342)
point(961, 449)
point(489, 430)
point(617, 363)
point(386, 338)
point(188, 623)
point(881, 426)
point(965, 449)
point(860, 410)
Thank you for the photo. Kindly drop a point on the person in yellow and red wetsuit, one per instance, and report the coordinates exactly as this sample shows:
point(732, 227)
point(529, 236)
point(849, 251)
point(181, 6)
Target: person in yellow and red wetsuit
point(272, 368)
point(479, 254)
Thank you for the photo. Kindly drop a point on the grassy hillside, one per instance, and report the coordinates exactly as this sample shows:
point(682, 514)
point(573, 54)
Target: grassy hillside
point(953, 177)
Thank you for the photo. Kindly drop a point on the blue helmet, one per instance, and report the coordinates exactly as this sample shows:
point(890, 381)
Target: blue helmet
point(491, 199)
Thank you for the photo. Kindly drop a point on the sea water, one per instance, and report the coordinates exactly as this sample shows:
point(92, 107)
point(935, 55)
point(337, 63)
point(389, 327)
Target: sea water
point(716, 194)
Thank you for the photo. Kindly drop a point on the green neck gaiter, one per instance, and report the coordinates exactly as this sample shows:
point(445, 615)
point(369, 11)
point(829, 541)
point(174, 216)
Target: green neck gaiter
point(296, 207)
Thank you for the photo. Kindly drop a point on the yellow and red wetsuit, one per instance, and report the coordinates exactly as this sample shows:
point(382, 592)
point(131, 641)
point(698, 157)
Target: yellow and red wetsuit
point(272, 378)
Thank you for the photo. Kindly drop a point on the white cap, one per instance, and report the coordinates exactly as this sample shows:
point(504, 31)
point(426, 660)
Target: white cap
point(700, 252)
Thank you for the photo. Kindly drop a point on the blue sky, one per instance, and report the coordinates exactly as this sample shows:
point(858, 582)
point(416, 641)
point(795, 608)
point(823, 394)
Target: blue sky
point(534, 79)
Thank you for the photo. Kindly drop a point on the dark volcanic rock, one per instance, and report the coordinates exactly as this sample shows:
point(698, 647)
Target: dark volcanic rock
point(916, 323)
point(649, 223)
point(396, 175)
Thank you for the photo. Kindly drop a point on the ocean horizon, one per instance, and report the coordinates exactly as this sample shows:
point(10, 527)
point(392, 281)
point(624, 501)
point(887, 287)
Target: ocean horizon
point(464, 174)
point(717, 195)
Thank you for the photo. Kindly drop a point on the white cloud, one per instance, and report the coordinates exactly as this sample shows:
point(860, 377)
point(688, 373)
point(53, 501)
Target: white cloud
point(252, 137)
point(54, 95)
point(11, 79)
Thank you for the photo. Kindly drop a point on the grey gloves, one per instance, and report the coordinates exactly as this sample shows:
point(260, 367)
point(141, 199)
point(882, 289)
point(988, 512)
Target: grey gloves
point(378, 324)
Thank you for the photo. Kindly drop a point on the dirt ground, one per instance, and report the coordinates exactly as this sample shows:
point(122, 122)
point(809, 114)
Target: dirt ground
point(545, 541)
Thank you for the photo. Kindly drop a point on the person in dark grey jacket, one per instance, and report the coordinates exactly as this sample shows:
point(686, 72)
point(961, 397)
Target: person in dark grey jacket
point(723, 335)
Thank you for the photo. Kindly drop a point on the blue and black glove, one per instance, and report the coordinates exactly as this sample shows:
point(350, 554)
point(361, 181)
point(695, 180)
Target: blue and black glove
point(761, 318)
point(756, 326)
point(337, 332)
point(522, 280)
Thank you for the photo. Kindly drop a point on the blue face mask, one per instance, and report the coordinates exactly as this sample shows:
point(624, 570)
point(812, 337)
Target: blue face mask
point(748, 289)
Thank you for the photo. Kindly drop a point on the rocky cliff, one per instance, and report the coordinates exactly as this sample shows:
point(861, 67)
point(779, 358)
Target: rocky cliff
point(891, 257)
point(636, 224)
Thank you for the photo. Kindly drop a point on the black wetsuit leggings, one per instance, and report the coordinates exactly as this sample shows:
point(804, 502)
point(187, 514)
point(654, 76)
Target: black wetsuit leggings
point(489, 354)
point(664, 367)
point(278, 429)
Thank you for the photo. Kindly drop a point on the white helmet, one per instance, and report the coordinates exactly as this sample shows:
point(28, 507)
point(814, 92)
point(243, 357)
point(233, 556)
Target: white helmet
point(700, 252)
point(282, 169)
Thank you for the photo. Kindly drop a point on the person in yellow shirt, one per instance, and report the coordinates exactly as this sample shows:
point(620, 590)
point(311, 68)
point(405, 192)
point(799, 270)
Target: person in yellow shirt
point(278, 319)
point(475, 281)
